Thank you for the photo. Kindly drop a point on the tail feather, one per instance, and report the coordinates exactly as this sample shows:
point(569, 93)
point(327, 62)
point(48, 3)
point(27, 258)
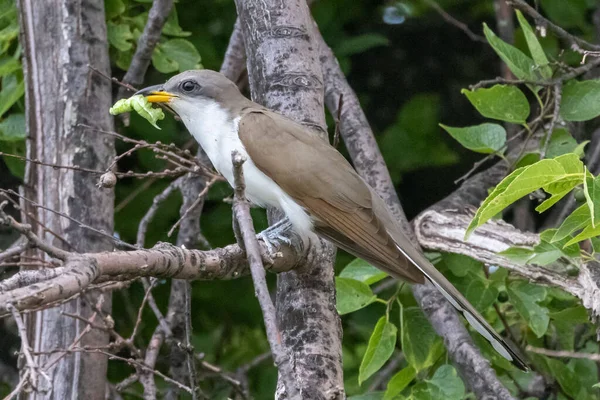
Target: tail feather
point(459, 302)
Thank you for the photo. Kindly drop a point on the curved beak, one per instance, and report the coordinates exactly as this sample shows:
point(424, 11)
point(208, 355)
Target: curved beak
point(156, 94)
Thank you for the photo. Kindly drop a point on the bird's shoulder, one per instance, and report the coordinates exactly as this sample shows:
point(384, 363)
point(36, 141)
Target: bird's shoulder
point(299, 161)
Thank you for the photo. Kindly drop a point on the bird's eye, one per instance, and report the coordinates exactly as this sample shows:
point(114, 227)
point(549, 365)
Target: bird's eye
point(188, 86)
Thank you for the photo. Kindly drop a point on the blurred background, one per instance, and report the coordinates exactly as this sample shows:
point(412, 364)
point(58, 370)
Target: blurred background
point(407, 65)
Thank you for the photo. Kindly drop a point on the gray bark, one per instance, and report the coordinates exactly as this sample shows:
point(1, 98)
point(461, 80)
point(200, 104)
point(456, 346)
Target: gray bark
point(61, 38)
point(285, 74)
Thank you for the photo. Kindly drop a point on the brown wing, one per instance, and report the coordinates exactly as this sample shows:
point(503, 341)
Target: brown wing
point(346, 210)
point(320, 179)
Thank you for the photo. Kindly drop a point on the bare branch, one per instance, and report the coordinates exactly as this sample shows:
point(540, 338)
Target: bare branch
point(454, 22)
point(563, 353)
point(241, 209)
point(140, 62)
point(542, 21)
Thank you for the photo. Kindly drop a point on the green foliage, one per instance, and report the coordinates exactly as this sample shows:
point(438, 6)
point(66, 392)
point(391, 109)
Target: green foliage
point(416, 129)
point(557, 176)
point(126, 21)
point(352, 295)
point(503, 102)
point(399, 382)
point(485, 138)
point(580, 100)
point(421, 345)
point(12, 89)
point(362, 271)
point(521, 65)
point(525, 297)
point(379, 350)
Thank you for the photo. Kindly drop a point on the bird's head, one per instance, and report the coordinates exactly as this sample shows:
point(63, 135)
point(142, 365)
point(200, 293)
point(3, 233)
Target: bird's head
point(190, 91)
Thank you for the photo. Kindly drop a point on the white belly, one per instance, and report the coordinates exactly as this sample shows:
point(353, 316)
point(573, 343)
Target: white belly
point(217, 135)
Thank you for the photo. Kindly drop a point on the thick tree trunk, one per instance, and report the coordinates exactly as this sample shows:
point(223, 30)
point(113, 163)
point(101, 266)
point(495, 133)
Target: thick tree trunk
point(285, 74)
point(61, 38)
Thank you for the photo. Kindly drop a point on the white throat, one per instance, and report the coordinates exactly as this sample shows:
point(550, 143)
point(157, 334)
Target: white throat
point(217, 133)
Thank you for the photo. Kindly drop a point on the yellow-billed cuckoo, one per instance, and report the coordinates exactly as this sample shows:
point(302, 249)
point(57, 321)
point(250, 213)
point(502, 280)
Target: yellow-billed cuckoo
point(291, 168)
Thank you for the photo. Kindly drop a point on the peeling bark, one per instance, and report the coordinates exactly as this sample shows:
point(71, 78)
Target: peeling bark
point(60, 39)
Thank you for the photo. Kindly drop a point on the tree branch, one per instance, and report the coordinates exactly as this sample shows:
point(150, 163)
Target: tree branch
point(142, 57)
point(241, 210)
point(368, 161)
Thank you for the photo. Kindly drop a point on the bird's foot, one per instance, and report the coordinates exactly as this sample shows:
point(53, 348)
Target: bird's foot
point(275, 235)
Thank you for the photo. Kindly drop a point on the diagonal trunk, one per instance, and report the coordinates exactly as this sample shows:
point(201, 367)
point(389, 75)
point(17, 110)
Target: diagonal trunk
point(60, 39)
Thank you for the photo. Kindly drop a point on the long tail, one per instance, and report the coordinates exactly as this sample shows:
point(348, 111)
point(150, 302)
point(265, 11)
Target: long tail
point(462, 304)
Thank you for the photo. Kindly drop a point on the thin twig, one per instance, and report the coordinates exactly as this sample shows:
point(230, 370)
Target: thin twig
point(32, 367)
point(557, 97)
point(338, 119)
point(138, 320)
point(241, 209)
point(563, 353)
point(560, 32)
point(149, 216)
point(80, 224)
point(157, 17)
point(453, 21)
point(193, 206)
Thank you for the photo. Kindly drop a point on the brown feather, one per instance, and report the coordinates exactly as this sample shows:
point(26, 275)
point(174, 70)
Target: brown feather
point(345, 209)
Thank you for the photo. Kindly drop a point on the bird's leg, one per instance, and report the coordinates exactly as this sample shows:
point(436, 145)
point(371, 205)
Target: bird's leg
point(274, 235)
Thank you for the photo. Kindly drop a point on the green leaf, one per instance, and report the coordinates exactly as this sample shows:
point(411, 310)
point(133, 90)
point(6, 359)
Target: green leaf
point(12, 91)
point(561, 142)
point(525, 298)
point(485, 138)
point(399, 382)
point(580, 100)
point(587, 233)
point(362, 271)
point(446, 384)
point(522, 66)
point(461, 265)
point(407, 145)
point(16, 166)
point(114, 8)
point(12, 128)
point(352, 295)
point(420, 344)
point(172, 27)
point(162, 63)
point(535, 48)
point(503, 102)
point(368, 396)
point(119, 35)
point(360, 44)
point(9, 33)
point(182, 52)
point(591, 190)
point(8, 65)
point(142, 106)
point(481, 294)
point(566, 13)
point(553, 175)
point(379, 350)
point(567, 379)
point(572, 315)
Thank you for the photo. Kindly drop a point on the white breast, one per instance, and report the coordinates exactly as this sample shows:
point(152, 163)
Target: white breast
point(217, 134)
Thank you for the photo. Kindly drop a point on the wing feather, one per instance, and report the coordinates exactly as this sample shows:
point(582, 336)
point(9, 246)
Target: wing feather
point(346, 210)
